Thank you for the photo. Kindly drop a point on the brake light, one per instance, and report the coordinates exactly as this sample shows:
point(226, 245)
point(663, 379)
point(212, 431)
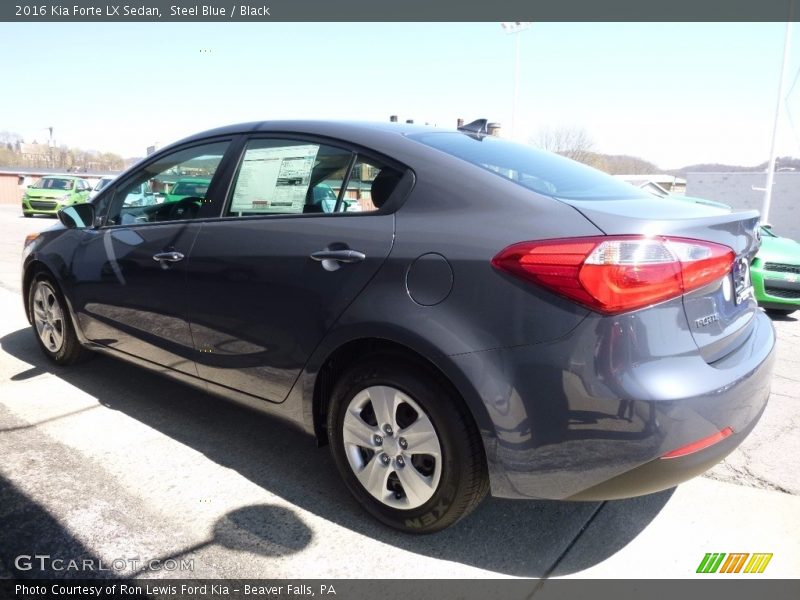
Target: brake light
point(614, 274)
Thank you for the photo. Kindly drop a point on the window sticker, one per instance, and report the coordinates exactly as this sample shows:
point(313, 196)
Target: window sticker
point(274, 180)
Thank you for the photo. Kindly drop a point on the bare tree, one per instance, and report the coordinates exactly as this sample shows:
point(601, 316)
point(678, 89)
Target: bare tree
point(10, 140)
point(572, 142)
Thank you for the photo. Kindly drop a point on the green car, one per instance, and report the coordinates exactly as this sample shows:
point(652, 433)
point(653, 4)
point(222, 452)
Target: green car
point(52, 193)
point(775, 272)
point(195, 187)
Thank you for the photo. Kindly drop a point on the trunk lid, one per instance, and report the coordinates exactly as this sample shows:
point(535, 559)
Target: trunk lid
point(720, 314)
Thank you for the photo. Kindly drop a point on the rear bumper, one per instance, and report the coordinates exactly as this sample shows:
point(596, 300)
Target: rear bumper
point(661, 474)
point(589, 417)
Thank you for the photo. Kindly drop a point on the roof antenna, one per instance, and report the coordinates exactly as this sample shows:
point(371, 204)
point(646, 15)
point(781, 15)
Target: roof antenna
point(477, 126)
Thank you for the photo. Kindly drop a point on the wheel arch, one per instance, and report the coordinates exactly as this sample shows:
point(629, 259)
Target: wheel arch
point(340, 357)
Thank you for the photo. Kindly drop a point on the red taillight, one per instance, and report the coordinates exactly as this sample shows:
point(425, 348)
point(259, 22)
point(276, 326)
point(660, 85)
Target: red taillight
point(699, 444)
point(615, 274)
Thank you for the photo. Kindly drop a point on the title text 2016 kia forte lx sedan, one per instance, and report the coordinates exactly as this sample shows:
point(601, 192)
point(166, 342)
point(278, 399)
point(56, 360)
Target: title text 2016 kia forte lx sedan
point(495, 317)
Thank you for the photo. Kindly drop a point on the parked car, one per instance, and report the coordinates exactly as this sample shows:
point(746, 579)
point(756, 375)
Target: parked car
point(140, 195)
point(505, 319)
point(325, 198)
point(776, 273)
point(100, 184)
point(53, 192)
point(187, 187)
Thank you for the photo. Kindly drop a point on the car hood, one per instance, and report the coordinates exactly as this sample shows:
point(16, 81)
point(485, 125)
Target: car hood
point(782, 250)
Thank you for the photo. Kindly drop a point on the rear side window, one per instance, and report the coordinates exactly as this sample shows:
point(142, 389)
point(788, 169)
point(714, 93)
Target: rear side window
point(293, 177)
point(542, 172)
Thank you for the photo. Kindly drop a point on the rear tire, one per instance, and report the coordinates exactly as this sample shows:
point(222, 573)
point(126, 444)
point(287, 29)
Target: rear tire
point(52, 323)
point(407, 450)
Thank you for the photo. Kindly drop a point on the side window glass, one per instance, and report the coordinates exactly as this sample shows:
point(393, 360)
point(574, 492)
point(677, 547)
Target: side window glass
point(169, 189)
point(370, 185)
point(288, 177)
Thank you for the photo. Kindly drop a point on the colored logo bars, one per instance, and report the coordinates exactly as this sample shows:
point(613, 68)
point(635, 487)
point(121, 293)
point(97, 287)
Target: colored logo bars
point(734, 563)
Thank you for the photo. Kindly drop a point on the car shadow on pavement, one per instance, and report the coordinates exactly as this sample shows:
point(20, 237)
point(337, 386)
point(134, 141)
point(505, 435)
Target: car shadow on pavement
point(520, 538)
point(30, 533)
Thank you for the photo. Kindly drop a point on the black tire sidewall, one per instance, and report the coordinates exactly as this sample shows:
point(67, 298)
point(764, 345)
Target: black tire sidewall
point(440, 511)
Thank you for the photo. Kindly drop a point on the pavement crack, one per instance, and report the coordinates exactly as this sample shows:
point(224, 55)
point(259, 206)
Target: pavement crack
point(745, 477)
point(569, 547)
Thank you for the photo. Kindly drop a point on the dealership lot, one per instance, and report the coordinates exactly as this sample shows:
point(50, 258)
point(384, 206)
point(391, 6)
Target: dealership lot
point(107, 463)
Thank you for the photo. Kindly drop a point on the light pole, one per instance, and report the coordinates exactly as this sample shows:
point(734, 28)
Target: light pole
point(771, 164)
point(515, 28)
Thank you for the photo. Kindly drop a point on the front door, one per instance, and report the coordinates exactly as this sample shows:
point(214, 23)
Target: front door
point(129, 289)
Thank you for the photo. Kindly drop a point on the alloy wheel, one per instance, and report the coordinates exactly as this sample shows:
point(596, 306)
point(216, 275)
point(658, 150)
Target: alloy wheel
point(48, 317)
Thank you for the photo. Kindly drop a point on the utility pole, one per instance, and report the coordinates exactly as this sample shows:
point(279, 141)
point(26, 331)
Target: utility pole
point(515, 28)
point(771, 164)
point(50, 149)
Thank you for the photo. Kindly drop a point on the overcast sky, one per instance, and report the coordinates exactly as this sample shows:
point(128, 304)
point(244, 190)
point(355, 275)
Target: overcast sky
point(673, 94)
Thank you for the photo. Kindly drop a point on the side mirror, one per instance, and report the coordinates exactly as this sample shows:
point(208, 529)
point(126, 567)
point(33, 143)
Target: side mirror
point(77, 216)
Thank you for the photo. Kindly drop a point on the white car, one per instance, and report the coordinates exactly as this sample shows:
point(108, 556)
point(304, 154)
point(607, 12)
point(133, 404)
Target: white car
point(100, 185)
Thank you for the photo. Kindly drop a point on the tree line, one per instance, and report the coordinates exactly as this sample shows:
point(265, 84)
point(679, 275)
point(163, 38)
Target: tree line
point(14, 152)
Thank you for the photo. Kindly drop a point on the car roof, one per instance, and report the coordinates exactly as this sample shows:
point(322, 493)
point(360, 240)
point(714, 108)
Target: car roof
point(360, 132)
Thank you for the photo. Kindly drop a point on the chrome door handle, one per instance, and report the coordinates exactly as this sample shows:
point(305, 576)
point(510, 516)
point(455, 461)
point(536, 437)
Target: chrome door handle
point(342, 256)
point(168, 256)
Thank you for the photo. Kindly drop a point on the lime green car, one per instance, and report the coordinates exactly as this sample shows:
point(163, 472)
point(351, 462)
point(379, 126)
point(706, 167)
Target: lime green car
point(52, 193)
point(775, 273)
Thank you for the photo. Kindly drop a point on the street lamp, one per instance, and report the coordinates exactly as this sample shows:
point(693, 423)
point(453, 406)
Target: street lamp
point(515, 29)
point(771, 164)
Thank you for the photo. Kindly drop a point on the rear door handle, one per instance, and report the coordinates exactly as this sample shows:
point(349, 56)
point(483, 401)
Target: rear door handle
point(171, 256)
point(342, 256)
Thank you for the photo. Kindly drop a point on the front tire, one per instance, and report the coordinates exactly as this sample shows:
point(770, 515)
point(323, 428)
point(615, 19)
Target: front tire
point(52, 323)
point(406, 448)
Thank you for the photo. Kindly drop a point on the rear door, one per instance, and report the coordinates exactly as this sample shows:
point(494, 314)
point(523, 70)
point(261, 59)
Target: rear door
point(268, 279)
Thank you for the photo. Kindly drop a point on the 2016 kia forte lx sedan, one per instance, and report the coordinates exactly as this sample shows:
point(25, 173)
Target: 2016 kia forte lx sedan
point(492, 317)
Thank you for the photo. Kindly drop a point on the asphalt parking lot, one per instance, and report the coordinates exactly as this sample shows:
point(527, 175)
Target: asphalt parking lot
point(107, 462)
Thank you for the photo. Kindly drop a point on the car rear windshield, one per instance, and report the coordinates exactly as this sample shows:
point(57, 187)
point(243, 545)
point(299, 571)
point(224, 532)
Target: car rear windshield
point(542, 172)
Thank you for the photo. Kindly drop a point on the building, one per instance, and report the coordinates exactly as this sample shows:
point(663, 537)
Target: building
point(744, 191)
point(657, 184)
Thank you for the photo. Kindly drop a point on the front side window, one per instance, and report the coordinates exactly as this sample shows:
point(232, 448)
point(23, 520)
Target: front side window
point(172, 188)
